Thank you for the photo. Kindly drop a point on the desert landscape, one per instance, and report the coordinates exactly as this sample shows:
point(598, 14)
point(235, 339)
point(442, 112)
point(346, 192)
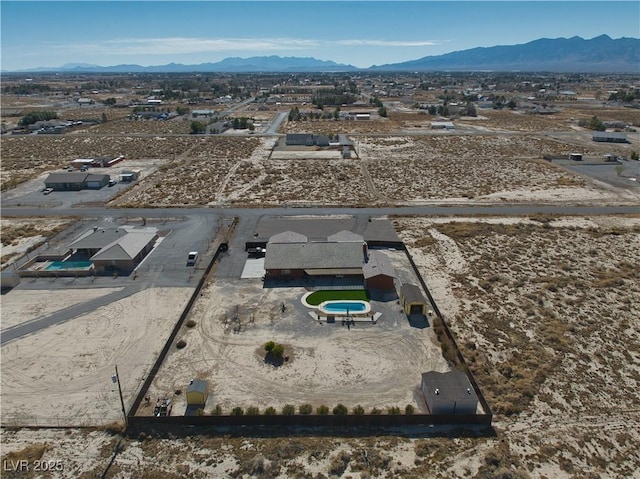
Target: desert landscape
point(543, 307)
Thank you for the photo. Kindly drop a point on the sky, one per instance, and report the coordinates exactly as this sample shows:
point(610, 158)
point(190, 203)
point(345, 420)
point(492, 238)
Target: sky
point(360, 33)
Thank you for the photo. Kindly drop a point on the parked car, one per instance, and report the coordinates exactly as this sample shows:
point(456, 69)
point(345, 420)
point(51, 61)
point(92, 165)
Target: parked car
point(112, 182)
point(192, 258)
point(46, 191)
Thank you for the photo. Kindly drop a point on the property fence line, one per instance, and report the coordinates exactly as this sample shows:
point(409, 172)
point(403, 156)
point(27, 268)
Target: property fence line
point(56, 421)
point(445, 327)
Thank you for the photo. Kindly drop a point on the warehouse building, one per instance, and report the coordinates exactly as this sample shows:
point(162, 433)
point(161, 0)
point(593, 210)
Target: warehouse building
point(74, 181)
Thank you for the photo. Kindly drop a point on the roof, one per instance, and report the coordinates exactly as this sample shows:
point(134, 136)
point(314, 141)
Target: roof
point(345, 236)
point(378, 265)
point(72, 177)
point(197, 385)
point(97, 177)
point(319, 255)
point(412, 294)
point(126, 247)
point(288, 237)
point(98, 238)
point(451, 385)
point(609, 134)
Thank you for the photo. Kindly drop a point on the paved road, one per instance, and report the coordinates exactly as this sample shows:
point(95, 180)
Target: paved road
point(424, 210)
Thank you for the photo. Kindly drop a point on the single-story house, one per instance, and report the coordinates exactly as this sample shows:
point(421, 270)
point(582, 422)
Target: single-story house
point(73, 181)
point(299, 139)
point(197, 392)
point(291, 255)
point(412, 300)
point(610, 136)
point(116, 248)
point(378, 272)
point(449, 393)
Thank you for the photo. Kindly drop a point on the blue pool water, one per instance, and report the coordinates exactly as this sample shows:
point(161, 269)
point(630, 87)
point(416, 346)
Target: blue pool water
point(64, 265)
point(341, 307)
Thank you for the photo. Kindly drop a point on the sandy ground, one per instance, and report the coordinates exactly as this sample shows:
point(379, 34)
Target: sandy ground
point(385, 360)
point(62, 374)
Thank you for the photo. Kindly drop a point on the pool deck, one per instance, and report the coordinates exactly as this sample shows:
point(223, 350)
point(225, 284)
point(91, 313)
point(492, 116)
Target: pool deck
point(357, 319)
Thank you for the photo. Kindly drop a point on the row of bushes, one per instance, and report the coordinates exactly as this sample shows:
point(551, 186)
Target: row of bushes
point(307, 409)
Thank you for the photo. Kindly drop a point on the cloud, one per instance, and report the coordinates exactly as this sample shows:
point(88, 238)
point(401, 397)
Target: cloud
point(187, 45)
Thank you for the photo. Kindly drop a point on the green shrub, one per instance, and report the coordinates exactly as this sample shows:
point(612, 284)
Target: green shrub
point(305, 409)
point(237, 411)
point(217, 411)
point(268, 346)
point(340, 410)
point(288, 410)
point(375, 411)
point(278, 350)
point(253, 411)
point(409, 410)
point(322, 410)
point(358, 410)
point(393, 410)
point(270, 411)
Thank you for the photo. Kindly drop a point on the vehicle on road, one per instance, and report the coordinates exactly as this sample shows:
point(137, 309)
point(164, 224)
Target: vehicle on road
point(47, 191)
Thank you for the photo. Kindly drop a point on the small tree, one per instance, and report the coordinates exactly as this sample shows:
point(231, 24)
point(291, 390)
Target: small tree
point(305, 409)
point(278, 351)
point(409, 410)
point(270, 411)
point(358, 410)
point(197, 127)
point(340, 410)
point(268, 346)
point(217, 411)
point(288, 410)
point(375, 411)
point(634, 155)
point(382, 111)
point(237, 411)
point(322, 410)
point(253, 411)
point(393, 410)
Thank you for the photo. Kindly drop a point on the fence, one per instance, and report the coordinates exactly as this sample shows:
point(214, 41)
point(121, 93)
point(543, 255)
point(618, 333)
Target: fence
point(56, 421)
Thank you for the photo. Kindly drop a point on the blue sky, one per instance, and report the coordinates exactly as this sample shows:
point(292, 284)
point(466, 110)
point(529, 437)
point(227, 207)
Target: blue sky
point(361, 33)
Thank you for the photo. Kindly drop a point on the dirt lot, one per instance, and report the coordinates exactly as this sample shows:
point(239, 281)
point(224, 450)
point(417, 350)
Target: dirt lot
point(385, 359)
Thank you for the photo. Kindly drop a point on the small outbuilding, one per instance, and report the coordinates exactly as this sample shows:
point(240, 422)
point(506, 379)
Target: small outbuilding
point(197, 392)
point(449, 393)
point(378, 271)
point(610, 136)
point(412, 299)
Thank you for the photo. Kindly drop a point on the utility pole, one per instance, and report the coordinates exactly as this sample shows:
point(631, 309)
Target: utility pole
point(116, 379)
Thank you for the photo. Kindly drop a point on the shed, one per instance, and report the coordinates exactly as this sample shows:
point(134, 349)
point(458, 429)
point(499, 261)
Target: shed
point(197, 392)
point(449, 393)
point(610, 136)
point(378, 272)
point(413, 301)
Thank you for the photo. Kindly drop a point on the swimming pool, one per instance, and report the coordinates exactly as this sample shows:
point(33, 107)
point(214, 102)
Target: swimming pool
point(344, 307)
point(67, 265)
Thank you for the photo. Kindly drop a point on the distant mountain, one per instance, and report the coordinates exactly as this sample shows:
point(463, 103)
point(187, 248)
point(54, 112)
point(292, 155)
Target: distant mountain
point(229, 65)
point(599, 55)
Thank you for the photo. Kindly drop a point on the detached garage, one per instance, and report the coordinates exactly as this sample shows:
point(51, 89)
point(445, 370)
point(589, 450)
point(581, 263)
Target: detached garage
point(197, 392)
point(413, 301)
point(449, 393)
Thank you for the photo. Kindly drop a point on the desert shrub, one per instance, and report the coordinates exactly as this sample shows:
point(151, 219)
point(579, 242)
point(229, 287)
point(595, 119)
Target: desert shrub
point(288, 410)
point(268, 346)
point(237, 411)
point(181, 344)
point(375, 411)
point(305, 409)
point(339, 463)
point(393, 410)
point(253, 411)
point(340, 410)
point(409, 409)
point(278, 350)
point(322, 410)
point(217, 411)
point(358, 410)
point(270, 411)
point(190, 324)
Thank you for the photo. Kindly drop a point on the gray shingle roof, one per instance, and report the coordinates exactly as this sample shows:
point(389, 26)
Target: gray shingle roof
point(288, 237)
point(99, 238)
point(126, 247)
point(72, 177)
point(345, 236)
point(412, 294)
point(377, 265)
point(313, 255)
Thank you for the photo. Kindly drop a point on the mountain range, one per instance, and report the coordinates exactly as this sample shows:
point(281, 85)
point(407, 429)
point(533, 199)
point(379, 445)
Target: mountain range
point(601, 54)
